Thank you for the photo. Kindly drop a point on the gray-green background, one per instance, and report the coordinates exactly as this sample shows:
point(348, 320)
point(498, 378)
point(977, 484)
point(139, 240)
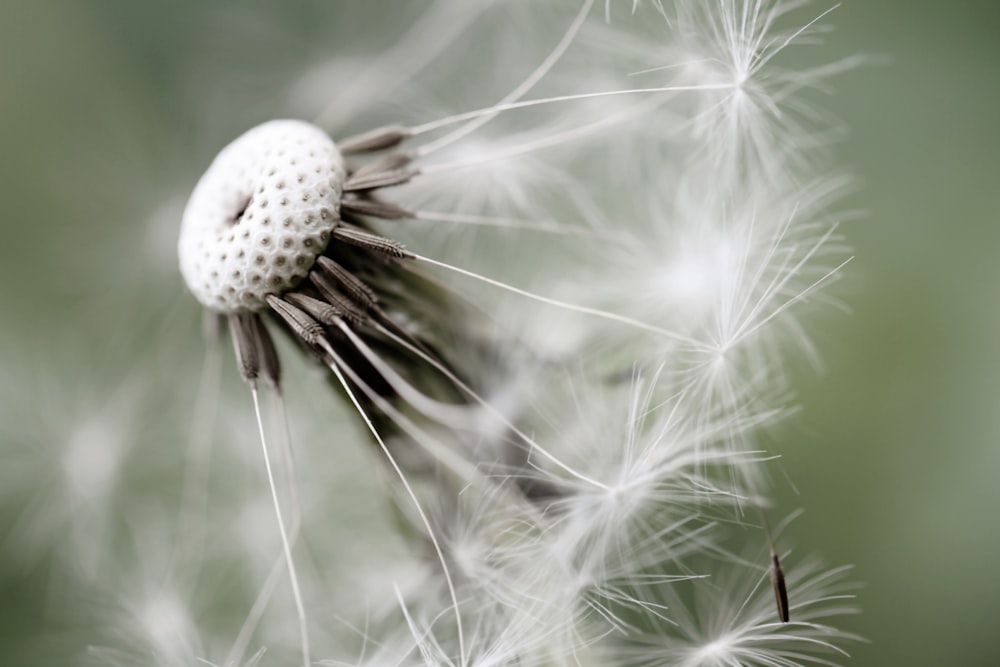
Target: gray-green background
point(895, 457)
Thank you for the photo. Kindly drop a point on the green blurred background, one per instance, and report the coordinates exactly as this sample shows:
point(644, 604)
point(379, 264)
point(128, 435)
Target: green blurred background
point(898, 462)
point(894, 455)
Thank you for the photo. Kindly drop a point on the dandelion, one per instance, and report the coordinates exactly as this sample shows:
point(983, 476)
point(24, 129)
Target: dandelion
point(560, 311)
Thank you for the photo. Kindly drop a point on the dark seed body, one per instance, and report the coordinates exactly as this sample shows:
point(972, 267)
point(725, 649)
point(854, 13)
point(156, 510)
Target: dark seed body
point(780, 591)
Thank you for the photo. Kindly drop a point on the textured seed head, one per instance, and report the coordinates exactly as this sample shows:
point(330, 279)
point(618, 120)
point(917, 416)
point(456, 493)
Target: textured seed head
point(260, 215)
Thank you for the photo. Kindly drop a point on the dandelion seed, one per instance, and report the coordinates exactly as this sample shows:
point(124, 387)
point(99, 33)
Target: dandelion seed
point(778, 582)
point(777, 574)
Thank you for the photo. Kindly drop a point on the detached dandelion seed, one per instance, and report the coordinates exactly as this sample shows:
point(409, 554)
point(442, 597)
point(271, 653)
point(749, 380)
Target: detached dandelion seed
point(777, 574)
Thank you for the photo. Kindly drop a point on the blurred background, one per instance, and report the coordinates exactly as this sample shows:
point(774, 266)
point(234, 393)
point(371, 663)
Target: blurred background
point(109, 110)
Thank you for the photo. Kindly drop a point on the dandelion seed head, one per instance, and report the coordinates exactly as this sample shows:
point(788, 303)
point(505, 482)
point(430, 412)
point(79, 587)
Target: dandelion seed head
point(260, 215)
point(554, 521)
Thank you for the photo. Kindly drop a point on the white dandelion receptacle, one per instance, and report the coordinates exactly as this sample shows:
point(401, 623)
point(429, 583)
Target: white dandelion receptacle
point(260, 215)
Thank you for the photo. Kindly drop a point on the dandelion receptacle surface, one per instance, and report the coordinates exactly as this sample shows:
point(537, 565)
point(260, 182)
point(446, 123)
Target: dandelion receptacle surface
point(438, 332)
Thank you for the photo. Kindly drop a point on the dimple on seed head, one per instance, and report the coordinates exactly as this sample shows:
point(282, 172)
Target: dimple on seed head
point(280, 180)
